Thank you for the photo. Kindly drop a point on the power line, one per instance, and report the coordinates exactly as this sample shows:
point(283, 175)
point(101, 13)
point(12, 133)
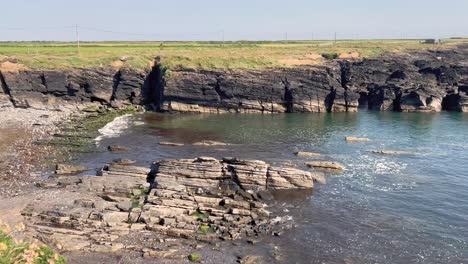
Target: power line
point(34, 28)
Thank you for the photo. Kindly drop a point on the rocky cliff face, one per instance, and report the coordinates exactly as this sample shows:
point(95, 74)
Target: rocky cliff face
point(420, 81)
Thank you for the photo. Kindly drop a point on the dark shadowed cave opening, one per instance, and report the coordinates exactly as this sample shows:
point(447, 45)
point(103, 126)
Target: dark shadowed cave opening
point(153, 88)
point(451, 102)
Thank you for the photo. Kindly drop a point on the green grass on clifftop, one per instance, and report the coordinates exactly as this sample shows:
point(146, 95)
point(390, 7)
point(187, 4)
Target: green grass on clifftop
point(200, 55)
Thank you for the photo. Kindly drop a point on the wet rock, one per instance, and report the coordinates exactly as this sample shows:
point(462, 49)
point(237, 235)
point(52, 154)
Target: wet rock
point(199, 199)
point(122, 161)
point(391, 152)
point(325, 165)
point(356, 139)
point(306, 154)
point(61, 169)
point(319, 177)
point(117, 148)
point(172, 144)
point(209, 143)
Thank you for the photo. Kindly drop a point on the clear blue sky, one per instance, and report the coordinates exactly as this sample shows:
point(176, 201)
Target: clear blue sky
point(239, 19)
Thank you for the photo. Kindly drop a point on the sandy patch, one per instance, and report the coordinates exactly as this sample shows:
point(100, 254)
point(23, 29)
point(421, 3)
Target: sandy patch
point(350, 55)
point(313, 56)
point(11, 67)
point(117, 64)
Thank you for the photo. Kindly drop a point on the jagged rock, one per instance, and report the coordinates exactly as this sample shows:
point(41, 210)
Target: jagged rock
point(306, 154)
point(356, 139)
point(325, 165)
point(61, 169)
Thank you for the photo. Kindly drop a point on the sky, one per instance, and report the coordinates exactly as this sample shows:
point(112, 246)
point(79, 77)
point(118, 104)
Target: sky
point(158, 20)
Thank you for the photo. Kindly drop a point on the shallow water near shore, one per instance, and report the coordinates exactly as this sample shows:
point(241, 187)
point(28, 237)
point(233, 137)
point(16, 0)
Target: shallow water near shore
point(381, 209)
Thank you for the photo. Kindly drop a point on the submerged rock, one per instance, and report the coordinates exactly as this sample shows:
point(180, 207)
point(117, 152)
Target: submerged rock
point(391, 152)
point(209, 143)
point(306, 154)
point(117, 148)
point(325, 165)
point(356, 139)
point(124, 161)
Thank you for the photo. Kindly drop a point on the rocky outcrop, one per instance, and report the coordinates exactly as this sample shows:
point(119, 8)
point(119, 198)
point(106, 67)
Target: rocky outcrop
point(307, 89)
point(416, 82)
point(199, 199)
point(52, 89)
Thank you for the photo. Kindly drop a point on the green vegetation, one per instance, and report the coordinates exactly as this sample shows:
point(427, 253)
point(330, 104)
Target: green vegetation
point(200, 216)
point(14, 252)
point(205, 229)
point(137, 195)
point(79, 134)
point(195, 257)
point(199, 55)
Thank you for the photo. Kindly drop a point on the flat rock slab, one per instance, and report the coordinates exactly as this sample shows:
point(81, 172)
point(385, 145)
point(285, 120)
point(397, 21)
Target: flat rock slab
point(124, 161)
point(172, 144)
point(117, 148)
point(325, 165)
point(356, 139)
point(61, 169)
point(209, 143)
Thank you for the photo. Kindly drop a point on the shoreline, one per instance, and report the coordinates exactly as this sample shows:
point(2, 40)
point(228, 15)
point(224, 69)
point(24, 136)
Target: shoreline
point(35, 194)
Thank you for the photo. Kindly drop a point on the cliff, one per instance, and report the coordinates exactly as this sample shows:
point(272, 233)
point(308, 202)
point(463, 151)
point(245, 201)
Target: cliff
point(421, 81)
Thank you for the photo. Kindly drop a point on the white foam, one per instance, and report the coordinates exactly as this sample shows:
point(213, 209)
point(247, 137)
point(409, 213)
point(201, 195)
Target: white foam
point(115, 128)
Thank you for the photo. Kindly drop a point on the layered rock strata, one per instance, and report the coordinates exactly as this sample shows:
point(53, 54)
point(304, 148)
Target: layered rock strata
point(199, 199)
point(426, 81)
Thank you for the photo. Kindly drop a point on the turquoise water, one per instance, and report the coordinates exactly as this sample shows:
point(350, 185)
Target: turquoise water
point(382, 209)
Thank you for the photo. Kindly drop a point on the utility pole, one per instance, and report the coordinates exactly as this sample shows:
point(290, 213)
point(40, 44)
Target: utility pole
point(77, 40)
point(223, 37)
point(286, 36)
point(334, 44)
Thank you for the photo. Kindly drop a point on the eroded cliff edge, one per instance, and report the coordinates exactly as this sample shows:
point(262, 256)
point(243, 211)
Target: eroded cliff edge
point(429, 81)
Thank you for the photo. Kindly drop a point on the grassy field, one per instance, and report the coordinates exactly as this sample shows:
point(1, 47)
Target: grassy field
point(199, 55)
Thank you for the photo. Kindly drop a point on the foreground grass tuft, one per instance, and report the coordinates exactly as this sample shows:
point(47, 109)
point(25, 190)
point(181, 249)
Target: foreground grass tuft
point(15, 252)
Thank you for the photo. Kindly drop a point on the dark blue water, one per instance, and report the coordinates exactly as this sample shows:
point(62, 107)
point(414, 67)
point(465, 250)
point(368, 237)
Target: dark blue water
point(382, 209)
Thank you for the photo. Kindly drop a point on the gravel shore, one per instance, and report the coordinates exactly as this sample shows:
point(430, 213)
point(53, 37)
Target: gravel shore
point(21, 161)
